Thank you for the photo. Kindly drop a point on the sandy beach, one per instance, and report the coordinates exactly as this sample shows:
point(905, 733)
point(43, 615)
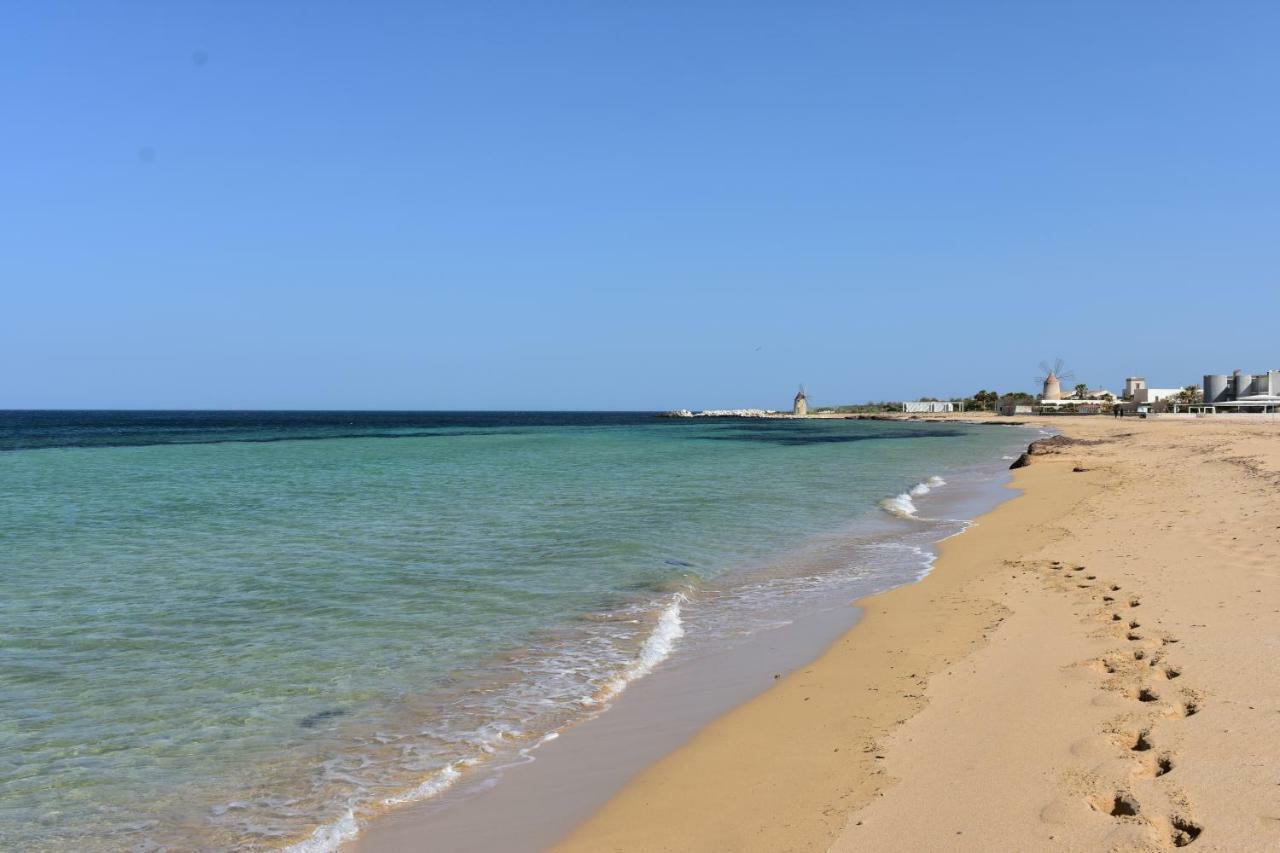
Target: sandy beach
point(1092, 666)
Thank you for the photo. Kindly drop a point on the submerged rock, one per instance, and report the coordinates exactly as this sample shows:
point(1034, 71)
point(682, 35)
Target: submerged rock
point(312, 720)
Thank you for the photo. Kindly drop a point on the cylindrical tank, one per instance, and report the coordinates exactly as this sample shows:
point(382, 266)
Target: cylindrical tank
point(1215, 388)
point(1243, 383)
point(1260, 384)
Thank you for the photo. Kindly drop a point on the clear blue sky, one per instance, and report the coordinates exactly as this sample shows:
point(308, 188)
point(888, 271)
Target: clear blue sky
point(629, 205)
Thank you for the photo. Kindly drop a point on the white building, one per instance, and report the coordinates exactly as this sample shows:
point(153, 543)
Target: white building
point(931, 406)
point(1148, 396)
point(1065, 404)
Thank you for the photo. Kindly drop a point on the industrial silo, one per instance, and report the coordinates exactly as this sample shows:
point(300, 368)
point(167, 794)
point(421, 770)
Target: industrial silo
point(1243, 385)
point(1215, 389)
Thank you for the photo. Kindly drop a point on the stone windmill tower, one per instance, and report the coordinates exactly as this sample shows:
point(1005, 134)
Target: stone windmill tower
point(800, 406)
point(1052, 377)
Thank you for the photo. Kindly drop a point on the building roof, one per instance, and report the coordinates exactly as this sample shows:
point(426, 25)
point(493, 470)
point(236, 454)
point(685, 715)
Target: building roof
point(1252, 398)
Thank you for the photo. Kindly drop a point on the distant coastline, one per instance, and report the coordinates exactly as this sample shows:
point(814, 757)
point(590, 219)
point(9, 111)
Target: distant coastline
point(988, 418)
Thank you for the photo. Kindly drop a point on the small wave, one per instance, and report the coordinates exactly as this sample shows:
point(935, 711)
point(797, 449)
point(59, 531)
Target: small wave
point(926, 555)
point(656, 649)
point(331, 836)
point(328, 837)
point(927, 486)
point(436, 784)
point(903, 506)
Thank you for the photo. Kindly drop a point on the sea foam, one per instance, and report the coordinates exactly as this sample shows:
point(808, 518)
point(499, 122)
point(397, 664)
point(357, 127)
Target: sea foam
point(903, 506)
point(657, 648)
point(331, 836)
point(435, 784)
point(328, 837)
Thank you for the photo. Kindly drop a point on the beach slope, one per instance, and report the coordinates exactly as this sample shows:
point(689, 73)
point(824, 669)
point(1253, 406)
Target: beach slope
point(1093, 666)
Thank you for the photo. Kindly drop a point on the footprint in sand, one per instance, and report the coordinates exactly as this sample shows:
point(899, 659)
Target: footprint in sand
point(1184, 831)
point(1117, 804)
point(1124, 805)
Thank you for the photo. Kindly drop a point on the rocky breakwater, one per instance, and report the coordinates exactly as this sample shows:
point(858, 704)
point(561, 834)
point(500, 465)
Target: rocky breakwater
point(721, 413)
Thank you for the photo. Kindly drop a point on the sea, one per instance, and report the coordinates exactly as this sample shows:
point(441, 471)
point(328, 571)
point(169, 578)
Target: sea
point(258, 630)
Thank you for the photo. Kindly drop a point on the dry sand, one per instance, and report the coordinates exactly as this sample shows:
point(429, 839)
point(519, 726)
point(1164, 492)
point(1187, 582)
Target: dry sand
point(1094, 666)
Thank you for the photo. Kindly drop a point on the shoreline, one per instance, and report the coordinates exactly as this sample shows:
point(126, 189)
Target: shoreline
point(1012, 701)
point(545, 795)
point(803, 760)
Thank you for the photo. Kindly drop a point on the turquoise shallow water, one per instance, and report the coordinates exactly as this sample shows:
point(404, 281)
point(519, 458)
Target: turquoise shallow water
point(224, 630)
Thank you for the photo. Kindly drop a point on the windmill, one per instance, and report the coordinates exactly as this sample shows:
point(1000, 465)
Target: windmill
point(1051, 377)
point(800, 406)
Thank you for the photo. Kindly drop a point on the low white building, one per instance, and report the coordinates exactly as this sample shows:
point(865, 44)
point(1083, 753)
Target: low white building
point(931, 406)
point(1063, 404)
point(1148, 396)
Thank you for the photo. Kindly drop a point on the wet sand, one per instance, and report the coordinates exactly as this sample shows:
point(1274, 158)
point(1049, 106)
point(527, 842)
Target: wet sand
point(1092, 667)
point(529, 806)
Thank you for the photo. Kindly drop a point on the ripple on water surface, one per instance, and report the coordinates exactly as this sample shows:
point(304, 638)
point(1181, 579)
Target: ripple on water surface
point(216, 634)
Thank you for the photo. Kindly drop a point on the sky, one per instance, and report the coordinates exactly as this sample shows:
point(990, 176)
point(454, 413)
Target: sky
point(600, 205)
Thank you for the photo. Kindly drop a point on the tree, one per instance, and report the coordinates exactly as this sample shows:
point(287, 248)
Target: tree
point(1082, 391)
point(1189, 395)
point(982, 400)
point(1017, 398)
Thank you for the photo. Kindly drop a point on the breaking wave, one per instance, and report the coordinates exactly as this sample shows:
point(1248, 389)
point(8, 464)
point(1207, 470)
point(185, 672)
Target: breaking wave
point(328, 837)
point(656, 648)
point(903, 506)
